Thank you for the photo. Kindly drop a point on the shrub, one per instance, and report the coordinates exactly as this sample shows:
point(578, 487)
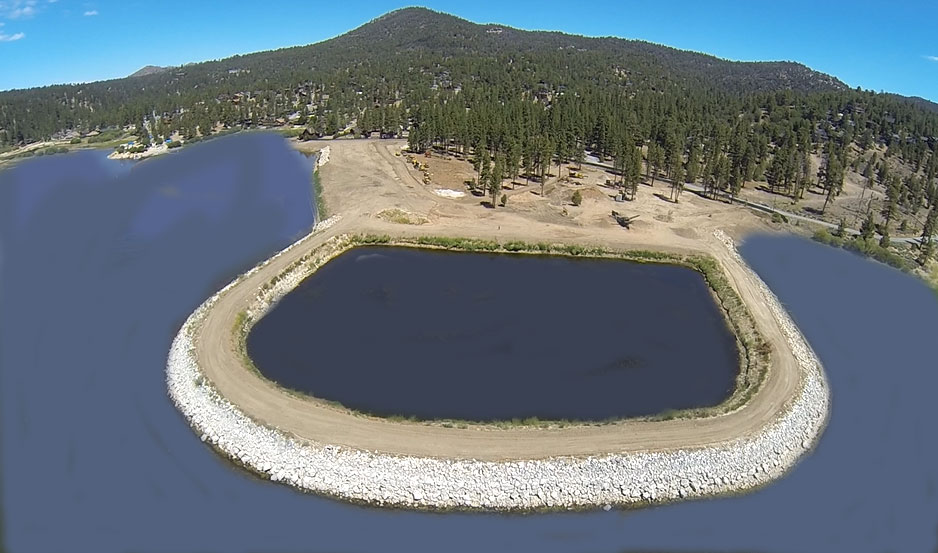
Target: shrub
point(374, 239)
point(515, 246)
point(870, 248)
point(577, 198)
point(105, 136)
point(841, 228)
point(825, 237)
point(470, 244)
point(290, 132)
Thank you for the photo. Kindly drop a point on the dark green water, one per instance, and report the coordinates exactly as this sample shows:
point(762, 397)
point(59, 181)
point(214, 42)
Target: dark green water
point(436, 334)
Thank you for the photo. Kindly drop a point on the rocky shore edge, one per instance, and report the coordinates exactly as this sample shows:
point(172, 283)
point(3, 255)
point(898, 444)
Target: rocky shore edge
point(152, 151)
point(626, 479)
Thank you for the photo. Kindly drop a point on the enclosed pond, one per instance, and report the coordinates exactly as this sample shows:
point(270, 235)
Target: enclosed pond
point(437, 334)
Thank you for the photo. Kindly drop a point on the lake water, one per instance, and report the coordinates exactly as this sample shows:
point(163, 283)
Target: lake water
point(436, 334)
point(101, 262)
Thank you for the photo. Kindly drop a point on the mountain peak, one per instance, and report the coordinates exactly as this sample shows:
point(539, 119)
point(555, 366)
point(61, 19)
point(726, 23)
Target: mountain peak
point(147, 70)
point(413, 12)
point(410, 19)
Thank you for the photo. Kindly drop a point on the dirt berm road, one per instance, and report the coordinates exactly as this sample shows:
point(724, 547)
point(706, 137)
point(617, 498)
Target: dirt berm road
point(364, 178)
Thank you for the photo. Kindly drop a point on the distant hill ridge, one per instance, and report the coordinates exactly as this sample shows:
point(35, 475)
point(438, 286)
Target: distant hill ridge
point(417, 28)
point(390, 59)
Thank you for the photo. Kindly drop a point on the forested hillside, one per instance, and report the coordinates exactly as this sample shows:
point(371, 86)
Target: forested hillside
point(521, 100)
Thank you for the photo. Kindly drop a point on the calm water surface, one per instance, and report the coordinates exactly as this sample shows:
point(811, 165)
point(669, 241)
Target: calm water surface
point(434, 334)
point(101, 262)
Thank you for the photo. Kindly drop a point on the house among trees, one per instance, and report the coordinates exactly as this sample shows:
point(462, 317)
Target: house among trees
point(307, 135)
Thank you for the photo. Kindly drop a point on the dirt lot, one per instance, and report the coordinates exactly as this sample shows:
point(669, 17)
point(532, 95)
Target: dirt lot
point(366, 178)
point(659, 218)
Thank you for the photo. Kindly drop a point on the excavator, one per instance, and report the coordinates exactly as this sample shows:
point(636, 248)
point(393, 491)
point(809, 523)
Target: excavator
point(623, 220)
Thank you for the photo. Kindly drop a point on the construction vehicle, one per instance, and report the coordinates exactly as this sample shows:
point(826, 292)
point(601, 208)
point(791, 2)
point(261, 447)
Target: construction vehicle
point(623, 220)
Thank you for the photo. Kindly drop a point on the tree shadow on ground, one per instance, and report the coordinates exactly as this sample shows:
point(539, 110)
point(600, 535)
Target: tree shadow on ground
point(812, 210)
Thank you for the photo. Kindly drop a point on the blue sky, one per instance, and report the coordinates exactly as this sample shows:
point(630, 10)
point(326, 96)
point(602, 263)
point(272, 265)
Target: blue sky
point(878, 45)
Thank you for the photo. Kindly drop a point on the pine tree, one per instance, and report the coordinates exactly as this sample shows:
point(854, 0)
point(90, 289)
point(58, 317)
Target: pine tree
point(693, 164)
point(718, 175)
point(804, 176)
point(481, 163)
point(868, 228)
point(841, 230)
point(527, 160)
point(543, 159)
point(928, 235)
point(735, 182)
point(485, 170)
point(514, 159)
point(675, 163)
point(833, 179)
point(677, 182)
point(882, 173)
point(777, 170)
point(143, 137)
point(579, 155)
point(496, 176)
point(655, 161)
point(620, 162)
point(633, 171)
point(890, 207)
point(885, 241)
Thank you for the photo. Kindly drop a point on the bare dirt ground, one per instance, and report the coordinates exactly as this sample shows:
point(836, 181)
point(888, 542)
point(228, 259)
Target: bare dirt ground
point(366, 177)
point(851, 204)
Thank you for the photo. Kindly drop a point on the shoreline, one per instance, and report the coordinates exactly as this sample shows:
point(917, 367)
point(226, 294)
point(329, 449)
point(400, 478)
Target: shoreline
point(558, 482)
point(149, 152)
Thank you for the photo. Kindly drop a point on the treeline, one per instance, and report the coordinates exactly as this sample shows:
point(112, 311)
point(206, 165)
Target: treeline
point(722, 141)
